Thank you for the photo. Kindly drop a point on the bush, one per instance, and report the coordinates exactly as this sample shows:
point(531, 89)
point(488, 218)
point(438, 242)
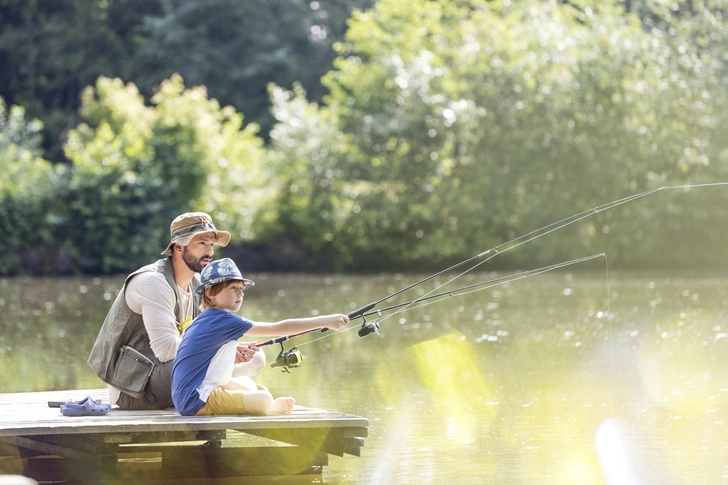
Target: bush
point(27, 194)
point(136, 167)
point(452, 127)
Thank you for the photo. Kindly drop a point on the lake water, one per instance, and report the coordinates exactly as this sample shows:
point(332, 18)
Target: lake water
point(559, 378)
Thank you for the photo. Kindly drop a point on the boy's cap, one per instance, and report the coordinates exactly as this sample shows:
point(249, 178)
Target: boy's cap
point(186, 226)
point(218, 271)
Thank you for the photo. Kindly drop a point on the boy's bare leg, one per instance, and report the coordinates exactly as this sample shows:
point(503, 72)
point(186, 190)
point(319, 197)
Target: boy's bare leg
point(282, 405)
point(257, 402)
point(262, 402)
point(241, 383)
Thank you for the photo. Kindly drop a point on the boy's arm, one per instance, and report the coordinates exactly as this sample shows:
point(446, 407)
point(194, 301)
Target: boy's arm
point(296, 325)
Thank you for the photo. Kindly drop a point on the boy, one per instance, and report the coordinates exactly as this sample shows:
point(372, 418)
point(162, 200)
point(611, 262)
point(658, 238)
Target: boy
point(202, 381)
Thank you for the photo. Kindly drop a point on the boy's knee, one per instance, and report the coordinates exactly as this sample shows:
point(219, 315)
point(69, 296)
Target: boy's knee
point(252, 368)
point(258, 361)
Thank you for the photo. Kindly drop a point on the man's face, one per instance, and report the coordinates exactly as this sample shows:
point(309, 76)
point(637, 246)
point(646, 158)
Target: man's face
point(198, 253)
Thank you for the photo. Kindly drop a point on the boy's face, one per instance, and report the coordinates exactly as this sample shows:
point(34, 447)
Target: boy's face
point(230, 298)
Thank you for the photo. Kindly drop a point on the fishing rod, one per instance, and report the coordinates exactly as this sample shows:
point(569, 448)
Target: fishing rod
point(373, 327)
point(366, 329)
point(518, 241)
point(293, 357)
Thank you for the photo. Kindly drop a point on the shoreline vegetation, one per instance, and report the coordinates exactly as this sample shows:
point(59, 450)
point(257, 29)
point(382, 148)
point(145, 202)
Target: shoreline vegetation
point(401, 137)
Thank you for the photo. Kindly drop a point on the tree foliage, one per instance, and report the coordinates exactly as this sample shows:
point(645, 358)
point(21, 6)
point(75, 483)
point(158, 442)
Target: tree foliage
point(136, 167)
point(441, 128)
point(51, 50)
point(26, 193)
point(469, 123)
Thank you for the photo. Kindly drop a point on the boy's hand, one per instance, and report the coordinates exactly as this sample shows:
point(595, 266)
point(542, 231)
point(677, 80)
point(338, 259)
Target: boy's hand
point(336, 321)
point(245, 351)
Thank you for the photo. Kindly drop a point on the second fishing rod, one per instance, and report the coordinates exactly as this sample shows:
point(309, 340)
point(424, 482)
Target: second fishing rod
point(293, 357)
point(491, 253)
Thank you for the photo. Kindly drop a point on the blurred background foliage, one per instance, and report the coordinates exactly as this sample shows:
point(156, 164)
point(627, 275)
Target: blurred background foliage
point(361, 135)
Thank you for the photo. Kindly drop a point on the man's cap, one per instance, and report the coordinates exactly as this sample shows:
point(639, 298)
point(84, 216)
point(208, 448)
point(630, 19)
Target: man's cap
point(190, 224)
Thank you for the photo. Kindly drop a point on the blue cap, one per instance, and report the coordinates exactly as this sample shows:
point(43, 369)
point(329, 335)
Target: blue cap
point(218, 271)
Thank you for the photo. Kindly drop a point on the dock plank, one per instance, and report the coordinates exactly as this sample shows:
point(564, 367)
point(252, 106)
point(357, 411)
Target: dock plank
point(157, 445)
point(28, 414)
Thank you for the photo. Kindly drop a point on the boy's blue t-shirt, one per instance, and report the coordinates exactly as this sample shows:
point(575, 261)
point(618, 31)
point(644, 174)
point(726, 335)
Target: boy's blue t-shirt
point(211, 330)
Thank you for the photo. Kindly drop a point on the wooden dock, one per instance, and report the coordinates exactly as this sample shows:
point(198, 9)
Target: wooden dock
point(37, 441)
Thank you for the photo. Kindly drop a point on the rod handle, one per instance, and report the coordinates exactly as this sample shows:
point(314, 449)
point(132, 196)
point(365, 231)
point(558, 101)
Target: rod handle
point(356, 313)
point(361, 311)
point(273, 341)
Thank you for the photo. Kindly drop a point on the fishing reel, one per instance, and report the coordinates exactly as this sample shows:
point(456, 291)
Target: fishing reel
point(367, 328)
point(288, 358)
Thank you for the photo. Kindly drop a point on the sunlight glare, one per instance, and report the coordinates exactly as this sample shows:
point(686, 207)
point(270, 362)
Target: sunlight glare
point(613, 456)
point(455, 384)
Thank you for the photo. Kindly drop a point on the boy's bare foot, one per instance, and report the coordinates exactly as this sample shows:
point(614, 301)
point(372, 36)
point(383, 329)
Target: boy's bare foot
point(282, 405)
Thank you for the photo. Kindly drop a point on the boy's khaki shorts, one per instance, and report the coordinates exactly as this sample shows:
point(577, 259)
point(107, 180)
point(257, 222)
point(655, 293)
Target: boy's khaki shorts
point(225, 401)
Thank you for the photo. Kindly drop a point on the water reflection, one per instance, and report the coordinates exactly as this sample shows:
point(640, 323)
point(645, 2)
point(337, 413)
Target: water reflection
point(613, 455)
point(538, 381)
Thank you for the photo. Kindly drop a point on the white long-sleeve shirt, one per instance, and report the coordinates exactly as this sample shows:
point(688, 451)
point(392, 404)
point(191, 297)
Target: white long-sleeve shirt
point(150, 295)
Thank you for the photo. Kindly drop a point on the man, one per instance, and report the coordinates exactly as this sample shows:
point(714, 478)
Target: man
point(138, 341)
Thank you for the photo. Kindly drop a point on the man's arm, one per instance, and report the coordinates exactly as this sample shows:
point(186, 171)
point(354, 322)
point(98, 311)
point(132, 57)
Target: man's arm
point(150, 295)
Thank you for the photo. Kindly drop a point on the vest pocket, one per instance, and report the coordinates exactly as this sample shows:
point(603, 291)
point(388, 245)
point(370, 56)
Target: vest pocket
point(132, 370)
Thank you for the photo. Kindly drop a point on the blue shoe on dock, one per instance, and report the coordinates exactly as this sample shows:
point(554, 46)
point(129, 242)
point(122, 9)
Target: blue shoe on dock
point(86, 407)
point(58, 404)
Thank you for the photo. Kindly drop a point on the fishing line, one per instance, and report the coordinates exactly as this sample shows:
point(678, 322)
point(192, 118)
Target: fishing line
point(292, 357)
point(611, 339)
point(516, 242)
point(427, 299)
point(528, 237)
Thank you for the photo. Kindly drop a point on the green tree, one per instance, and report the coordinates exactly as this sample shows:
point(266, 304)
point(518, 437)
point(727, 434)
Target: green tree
point(50, 51)
point(26, 195)
point(469, 123)
point(236, 48)
point(135, 167)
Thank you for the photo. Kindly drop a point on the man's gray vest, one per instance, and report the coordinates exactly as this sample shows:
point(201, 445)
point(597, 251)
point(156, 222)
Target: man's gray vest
point(122, 355)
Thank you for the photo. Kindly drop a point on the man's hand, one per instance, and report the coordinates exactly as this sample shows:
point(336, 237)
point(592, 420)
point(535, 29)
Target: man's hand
point(245, 352)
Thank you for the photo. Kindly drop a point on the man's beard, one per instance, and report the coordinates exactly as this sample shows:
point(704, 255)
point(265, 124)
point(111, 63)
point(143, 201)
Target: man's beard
point(194, 264)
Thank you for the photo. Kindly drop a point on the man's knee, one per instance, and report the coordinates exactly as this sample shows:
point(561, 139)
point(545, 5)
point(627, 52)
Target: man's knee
point(159, 388)
point(127, 402)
